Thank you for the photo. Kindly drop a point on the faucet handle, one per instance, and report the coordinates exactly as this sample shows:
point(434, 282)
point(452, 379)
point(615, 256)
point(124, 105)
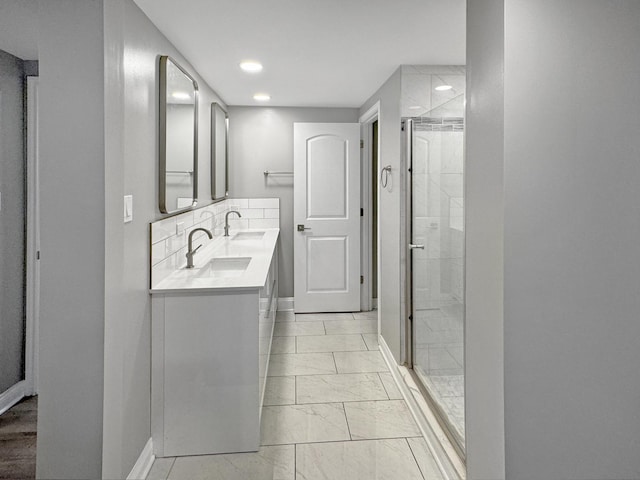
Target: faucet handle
point(196, 249)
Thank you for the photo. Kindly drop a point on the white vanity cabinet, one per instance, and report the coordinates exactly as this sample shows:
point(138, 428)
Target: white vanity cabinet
point(210, 354)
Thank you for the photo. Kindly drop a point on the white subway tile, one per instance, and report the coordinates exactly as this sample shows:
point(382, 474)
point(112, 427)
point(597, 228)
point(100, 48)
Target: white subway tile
point(181, 258)
point(238, 202)
point(163, 229)
point(264, 203)
point(252, 213)
point(205, 220)
point(264, 223)
point(162, 270)
point(158, 252)
point(187, 218)
point(238, 224)
point(271, 213)
point(174, 242)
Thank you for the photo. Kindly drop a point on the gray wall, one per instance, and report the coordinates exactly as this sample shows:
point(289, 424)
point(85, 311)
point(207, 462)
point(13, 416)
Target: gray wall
point(261, 138)
point(391, 268)
point(99, 117)
point(484, 226)
point(132, 47)
point(571, 251)
point(12, 220)
point(72, 239)
point(572, 231)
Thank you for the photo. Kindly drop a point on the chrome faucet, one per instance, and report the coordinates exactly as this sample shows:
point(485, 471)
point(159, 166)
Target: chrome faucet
point(226, 221)
point(191, 252)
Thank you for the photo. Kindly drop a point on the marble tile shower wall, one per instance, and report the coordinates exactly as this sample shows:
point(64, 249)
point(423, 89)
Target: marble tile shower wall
point(169, 236)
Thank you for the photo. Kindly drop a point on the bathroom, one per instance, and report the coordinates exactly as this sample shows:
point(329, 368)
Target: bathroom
point(95, 353)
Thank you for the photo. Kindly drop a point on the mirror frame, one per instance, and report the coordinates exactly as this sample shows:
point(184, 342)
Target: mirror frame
point(214, 143)
point(162, 184)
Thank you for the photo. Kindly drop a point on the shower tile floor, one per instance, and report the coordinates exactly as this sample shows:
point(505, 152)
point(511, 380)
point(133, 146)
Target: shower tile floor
point(439, 360)
point(331, 411)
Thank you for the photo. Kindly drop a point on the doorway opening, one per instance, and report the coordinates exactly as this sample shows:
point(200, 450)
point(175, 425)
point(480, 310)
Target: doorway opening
point(19, 272)
point(374, 214)
point(370, 258)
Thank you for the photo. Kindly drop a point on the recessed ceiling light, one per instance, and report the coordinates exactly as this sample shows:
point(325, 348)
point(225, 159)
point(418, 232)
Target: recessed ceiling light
point(251, 66)
point(261, 97)
point(181, 95)
point(415, 107)
point(442, 88)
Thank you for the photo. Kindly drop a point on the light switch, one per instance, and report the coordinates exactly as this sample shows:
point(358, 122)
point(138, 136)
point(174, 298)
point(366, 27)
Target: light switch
point(128, 208)
point(179, 228)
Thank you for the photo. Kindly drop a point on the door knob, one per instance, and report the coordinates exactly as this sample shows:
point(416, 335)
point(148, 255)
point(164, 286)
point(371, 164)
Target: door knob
point(412, 246)
point(302, 228)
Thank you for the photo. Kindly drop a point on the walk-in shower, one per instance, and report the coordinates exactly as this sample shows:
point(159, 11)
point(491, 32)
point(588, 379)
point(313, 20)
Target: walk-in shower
point(435, 255)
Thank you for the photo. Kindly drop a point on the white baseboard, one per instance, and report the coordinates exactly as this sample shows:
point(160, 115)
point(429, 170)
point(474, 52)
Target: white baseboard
point(285, 304)
point(13, 395)
point(144, 463)
point(446, 457)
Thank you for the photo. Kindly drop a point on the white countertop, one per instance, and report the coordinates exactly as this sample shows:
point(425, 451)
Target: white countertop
point(201, 279)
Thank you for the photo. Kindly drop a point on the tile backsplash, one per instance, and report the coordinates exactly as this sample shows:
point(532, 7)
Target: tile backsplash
point(169, 236)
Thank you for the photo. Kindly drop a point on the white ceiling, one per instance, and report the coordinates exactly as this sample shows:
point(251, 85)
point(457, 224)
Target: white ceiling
point(332, 53)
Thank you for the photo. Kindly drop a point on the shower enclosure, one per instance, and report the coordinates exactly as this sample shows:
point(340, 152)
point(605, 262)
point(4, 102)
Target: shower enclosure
point(435, 255)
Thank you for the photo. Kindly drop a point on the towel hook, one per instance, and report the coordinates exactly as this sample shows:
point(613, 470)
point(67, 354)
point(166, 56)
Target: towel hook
point(385, 173)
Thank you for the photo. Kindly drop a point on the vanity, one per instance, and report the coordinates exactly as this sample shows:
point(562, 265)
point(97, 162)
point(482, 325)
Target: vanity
point(212, 324)
point(211, 338)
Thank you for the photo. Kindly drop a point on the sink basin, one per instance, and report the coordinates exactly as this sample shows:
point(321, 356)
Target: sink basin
point(225, 267)
point(248, 236)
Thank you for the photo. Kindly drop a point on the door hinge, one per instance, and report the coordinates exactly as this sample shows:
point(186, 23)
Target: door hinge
point(362, 212)
point(411, 318)
point(38, 255)
point(361, 143)
point(361, 279)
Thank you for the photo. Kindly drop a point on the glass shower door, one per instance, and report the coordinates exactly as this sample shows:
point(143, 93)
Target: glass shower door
point(437, 264)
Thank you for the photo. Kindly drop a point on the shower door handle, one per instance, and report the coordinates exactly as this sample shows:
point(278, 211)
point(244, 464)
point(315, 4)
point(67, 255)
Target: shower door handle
point(412, 246)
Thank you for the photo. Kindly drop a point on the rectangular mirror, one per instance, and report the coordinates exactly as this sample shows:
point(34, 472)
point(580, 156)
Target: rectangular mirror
point(219, 153)
point(178, 137)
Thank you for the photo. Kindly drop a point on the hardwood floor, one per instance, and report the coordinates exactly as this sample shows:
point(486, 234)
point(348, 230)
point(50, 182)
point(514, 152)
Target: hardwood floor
point(18, 440)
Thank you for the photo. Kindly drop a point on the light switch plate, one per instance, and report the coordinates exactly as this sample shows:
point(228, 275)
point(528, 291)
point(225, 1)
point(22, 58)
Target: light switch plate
point(179, 228)
point(128, 208)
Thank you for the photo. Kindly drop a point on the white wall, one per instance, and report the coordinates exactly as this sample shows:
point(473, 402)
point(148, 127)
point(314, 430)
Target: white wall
point(484, 192)
point(391, 266)
point(261, 138)
point(72, 203)
point(132, 48)
point(571, 251)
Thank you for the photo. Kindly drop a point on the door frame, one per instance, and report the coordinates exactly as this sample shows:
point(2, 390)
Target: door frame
point(347, 300)
point(32, 306)
point(407, 155)
point(366, 202)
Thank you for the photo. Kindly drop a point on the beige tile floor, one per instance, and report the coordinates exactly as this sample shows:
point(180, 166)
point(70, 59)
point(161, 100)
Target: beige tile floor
point(331, 412)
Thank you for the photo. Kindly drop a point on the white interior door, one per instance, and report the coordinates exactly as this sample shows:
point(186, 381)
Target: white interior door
point(326, 217)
